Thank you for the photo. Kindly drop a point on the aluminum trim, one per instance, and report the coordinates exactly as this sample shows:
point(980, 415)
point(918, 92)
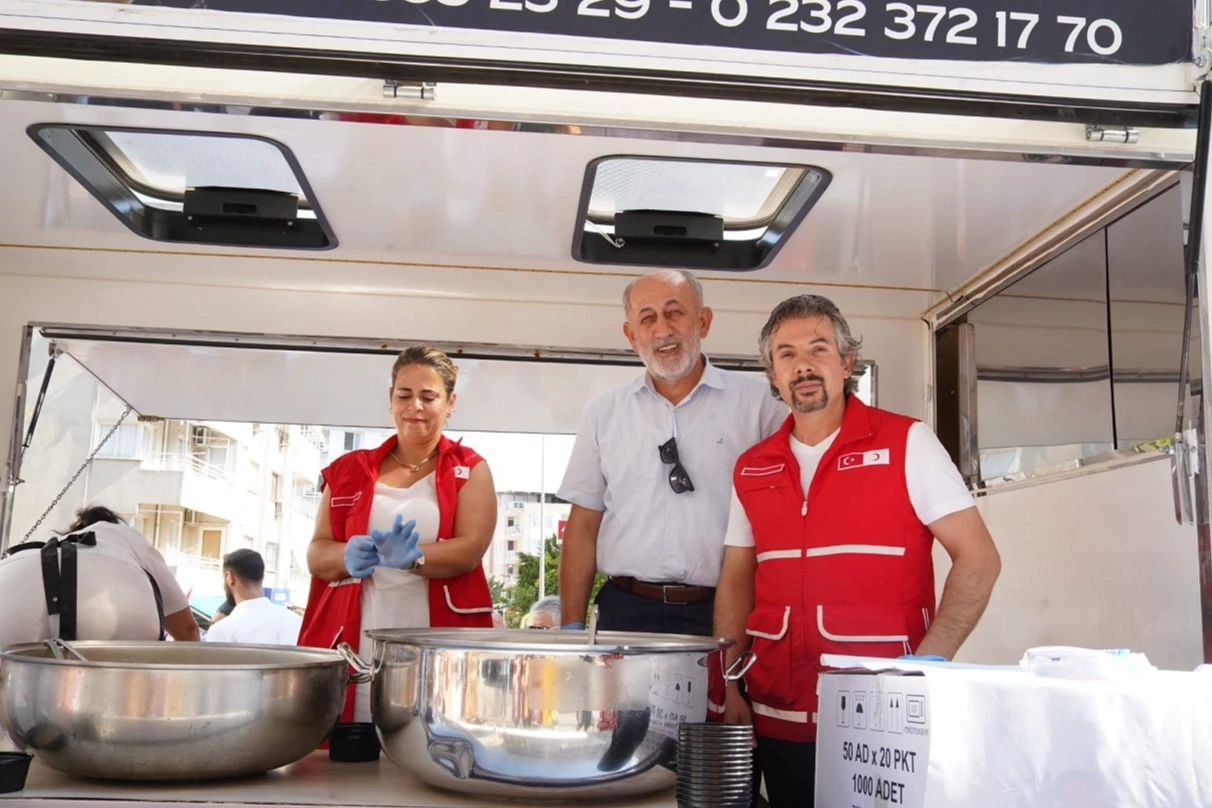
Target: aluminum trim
point(1083, 467)
point(968, 403)
point(1096, 213)
point(1076, 153)
point(8, 486)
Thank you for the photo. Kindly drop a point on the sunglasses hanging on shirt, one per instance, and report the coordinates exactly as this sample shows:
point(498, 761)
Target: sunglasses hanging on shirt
point(679, 480)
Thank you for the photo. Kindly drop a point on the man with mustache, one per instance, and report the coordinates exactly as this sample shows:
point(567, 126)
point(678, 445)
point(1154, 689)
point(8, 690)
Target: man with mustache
point(829, 543)
point(649, 474)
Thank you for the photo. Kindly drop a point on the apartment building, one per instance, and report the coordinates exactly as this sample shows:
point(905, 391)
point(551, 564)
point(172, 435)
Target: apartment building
point(524, 520)
point(195, 489)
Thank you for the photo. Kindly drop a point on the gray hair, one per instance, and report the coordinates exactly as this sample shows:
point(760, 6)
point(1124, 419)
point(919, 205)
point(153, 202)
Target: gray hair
point(800, 307)
point(674, 275)
point(549, 605)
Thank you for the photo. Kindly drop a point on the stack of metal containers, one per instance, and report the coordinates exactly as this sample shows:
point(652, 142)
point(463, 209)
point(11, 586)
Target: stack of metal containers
point(714, 766)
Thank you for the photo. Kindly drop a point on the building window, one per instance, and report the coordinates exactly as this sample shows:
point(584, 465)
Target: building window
point(349, 441)
point(254, 476)
point(271, 556)
point(511, 521)
point(276, 494)
point(510, 545)
point(283, 437)
point(212, 544)
point(126, 442)
point(217, 454)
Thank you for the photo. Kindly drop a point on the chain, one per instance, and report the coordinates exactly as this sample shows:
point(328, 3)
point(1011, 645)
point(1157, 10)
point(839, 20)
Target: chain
point(55, 503)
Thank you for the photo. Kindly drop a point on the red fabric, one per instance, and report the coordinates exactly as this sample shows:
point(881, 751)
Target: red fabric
point(334, 609)
point(851, 572)
point(716, 686)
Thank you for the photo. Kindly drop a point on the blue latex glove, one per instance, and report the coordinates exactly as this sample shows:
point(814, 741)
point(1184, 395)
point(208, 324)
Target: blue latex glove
point(573, 627)
point(926, 658)
point(361, 557)
point(398, 546)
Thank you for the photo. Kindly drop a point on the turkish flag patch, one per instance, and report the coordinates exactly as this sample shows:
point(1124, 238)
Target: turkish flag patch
point(857, 460)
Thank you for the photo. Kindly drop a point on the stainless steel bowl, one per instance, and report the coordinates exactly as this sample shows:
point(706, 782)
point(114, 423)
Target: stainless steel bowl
point(170, 711)
point(537, 714)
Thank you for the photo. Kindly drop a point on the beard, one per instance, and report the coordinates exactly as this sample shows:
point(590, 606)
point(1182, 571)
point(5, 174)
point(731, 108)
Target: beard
point(807, 405)
point(673, 369)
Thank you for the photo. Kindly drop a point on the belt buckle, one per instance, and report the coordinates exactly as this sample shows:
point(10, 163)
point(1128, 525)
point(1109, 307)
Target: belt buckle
point(665, 594)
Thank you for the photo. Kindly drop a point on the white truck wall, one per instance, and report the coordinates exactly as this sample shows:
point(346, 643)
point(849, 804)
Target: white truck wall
point(1095, 561)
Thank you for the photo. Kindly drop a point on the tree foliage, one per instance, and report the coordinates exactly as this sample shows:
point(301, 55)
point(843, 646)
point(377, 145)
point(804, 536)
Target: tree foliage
point(525, 593)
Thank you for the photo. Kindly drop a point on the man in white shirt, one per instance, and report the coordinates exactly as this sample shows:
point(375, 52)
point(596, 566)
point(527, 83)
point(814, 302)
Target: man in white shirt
point(650, 471)
point(101, 580)
point(255, 620)
point(829, 544)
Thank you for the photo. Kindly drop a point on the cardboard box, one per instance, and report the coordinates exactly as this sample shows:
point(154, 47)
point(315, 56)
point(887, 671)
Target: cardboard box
point(965, 736)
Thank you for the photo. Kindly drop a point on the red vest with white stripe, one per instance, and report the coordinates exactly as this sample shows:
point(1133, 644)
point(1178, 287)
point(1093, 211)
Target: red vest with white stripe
point(846, 571)
point(334, 609)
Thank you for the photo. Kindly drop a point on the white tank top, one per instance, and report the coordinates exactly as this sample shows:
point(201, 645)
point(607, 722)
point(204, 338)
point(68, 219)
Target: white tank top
point(394, 598)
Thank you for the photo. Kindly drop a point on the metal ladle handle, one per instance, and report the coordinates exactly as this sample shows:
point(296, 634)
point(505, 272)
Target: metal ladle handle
point(361, 671)
point(58, 646)
point(593, 625)
point(731, 674)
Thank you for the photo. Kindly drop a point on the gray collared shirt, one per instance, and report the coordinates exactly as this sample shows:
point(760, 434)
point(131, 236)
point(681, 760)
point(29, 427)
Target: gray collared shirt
point(649, 532)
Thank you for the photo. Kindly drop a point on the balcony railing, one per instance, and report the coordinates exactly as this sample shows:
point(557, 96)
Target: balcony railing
point(306, 506)
point(176, 461)
point(316, 436)
point(189, 562)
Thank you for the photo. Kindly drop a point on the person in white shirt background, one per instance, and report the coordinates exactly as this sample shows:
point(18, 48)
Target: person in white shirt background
point(651, 470)
point(123, 591)
point(255, 620)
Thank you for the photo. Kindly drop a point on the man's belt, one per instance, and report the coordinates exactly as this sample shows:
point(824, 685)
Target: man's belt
point(666, 593)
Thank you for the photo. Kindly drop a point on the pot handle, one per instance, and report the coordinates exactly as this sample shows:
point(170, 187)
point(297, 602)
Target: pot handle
point(732, 674)
point(361, 671)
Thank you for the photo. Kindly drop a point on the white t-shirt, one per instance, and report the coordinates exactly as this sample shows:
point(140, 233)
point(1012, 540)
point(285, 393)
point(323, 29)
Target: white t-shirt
point(257, 622)
point(936, 488)
point(114, 599)
point(394, 598)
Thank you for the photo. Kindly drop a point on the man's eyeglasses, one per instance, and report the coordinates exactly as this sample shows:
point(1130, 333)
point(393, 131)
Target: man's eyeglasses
point(679, 480)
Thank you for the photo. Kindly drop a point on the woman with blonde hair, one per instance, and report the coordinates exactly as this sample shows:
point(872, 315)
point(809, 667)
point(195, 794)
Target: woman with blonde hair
point(402, 529)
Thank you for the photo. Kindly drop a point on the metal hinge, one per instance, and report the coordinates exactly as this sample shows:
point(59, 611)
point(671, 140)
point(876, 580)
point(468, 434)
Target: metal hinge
point(1202, 47)
point(1111, 134)
point(421, 91)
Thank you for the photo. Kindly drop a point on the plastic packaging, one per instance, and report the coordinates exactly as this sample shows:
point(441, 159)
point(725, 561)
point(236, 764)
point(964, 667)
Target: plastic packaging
point(1064, 662)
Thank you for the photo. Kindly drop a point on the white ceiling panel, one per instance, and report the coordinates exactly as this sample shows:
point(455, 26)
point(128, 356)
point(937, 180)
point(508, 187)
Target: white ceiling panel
point(248, 385)
point(443, 197)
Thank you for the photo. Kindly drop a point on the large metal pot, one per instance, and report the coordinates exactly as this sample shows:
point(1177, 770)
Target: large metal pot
point(170, 711)
point(537, 714)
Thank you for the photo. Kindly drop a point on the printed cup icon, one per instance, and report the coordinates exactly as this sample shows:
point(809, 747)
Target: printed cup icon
point(876, 718)
point(843, 708)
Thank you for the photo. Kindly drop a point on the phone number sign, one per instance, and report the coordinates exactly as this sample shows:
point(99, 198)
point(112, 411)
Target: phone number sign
point(1131, 32)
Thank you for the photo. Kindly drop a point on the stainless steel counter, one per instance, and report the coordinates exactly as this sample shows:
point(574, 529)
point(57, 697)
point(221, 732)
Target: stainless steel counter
point(313, 781)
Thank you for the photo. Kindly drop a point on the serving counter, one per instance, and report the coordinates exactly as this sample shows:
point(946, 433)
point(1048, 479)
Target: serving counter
point(313, 781)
